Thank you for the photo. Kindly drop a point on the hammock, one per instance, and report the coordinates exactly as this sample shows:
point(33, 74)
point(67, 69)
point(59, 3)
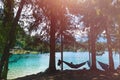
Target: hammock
point(72, 65)
point(103, 65)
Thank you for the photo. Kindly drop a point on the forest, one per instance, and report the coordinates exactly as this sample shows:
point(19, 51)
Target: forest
point(49, 26)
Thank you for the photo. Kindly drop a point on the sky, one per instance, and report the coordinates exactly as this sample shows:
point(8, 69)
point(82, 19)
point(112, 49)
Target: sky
point(1, 3)
point(80, 36)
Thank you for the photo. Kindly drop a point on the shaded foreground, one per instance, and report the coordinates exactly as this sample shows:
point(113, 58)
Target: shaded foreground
point(75, 75)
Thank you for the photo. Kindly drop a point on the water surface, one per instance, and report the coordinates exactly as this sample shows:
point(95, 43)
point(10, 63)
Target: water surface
point(27, 64)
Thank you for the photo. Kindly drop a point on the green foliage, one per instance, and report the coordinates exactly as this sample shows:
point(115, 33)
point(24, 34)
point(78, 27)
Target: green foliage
point(2, 38)
point(31, 43)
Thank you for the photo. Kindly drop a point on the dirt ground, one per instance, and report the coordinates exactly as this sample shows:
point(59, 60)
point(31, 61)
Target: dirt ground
point(75, 75)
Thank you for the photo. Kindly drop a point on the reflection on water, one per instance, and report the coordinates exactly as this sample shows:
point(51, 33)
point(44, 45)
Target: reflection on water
point(26, 64)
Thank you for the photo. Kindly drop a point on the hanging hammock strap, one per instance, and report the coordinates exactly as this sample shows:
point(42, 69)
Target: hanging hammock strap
point(71, 65)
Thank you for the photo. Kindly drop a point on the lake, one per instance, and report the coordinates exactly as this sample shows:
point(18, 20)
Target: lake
point(27, 64)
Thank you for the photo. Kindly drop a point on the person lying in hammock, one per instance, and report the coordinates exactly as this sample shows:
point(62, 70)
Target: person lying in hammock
point(71, 64)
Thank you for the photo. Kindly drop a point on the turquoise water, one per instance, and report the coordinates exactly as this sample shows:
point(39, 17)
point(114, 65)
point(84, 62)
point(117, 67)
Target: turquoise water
point(27, 64)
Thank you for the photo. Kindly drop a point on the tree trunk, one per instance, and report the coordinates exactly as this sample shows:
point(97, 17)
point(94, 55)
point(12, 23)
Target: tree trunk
point(5, 68)
point(111, 63)
point(61, 51)
point(3, 62)
point(52, 67)
point(93, 48)
point(9, 43)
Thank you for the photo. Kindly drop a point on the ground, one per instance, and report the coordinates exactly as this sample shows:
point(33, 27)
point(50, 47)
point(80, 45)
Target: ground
point(75, 75)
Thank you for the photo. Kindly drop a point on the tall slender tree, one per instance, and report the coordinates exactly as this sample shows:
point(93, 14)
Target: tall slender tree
point(94, 17)
point(11, 23)
point(51, 10)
